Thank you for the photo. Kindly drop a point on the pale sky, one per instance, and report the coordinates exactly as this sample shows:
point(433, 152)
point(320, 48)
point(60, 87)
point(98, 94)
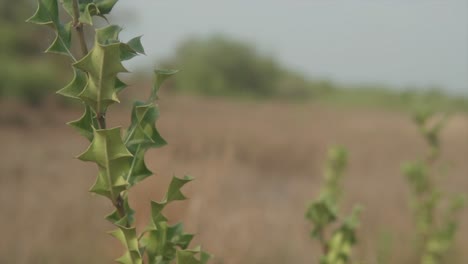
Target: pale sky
point(398, 43)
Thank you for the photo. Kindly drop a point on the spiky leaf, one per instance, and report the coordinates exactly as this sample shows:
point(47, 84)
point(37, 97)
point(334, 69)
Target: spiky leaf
point(195, 256)
point(160, 77)
point(76, 86)
point(174, 193)
point(142, 134)
point(105, 6)
point(86, 124)
point(108, 151)
point(102, 65)
point(129, 239)
point(47, 14)
point(161, 243)
point(88, 12)
point(135, 44)
point(142, 130)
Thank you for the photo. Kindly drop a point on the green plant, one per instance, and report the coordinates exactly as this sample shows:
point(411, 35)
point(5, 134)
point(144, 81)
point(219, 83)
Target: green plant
point(436, 225)
point(324, 212)
point(120, 160)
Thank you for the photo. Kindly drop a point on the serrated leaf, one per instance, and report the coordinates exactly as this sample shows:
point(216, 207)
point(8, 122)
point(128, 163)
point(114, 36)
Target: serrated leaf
point(160, 77)
point(102, 65)
point(47, 14)
point(131, 49)
point(156, 212)
point(156, 244)
point(161, 243)
point(86, 124)
point(105, 6)
point(108, 35)
point(141, 135)
point(129, 239)
point(87, 14)
point(62, 42)
point(136, 45)
point(174, 193)
point(190, 256)
point(142, 130)
point(76, 86)
point(119, 85)
point(138, 170)
point(113, 159)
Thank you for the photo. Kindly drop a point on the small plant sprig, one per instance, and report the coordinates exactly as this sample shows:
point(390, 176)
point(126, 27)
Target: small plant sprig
point(324, 212)
point(435, 226)
point(120, 160)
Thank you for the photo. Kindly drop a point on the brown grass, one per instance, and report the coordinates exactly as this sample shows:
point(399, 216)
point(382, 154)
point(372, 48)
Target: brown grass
point(257, 166)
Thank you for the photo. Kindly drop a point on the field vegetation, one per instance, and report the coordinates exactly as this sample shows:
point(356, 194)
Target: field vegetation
point(256, 135)
point(257, 167)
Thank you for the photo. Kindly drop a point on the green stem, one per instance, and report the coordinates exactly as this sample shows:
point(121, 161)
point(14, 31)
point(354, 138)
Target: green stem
point(118, 202)
point(79, 27)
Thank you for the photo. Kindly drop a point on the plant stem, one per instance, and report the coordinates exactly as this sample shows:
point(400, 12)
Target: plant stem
point(79, 27)
point(323, 243)
point(119, 202)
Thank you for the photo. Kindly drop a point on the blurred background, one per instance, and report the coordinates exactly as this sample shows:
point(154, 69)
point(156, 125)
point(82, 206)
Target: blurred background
point(264, 89)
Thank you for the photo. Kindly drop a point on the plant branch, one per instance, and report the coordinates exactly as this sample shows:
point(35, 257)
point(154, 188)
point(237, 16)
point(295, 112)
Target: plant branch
point(119, 202)
point(79, 27)
point(323, 243)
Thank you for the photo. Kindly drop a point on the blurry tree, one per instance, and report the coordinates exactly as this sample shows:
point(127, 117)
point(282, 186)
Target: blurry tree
point(22, 75)
point(221, 66)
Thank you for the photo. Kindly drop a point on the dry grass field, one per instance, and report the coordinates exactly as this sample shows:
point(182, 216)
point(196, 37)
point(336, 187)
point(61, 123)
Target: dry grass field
point(257, 165)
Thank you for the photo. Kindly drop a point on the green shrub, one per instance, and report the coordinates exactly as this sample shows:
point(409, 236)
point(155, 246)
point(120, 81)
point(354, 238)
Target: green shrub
point(220, 66)
point(436, 225)
point(119, 160)
point(324, 212)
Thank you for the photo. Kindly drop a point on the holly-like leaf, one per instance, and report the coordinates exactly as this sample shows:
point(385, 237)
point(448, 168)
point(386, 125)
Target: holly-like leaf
point(138, 170)
point(88, 12)
point(174, 193)
point(47, 14)
point(119, 85)
point(135, 44)
point(68, 6)
point(190, 256)
point(86, 124)
point(321, 214)
point(89, 8)
point(160, 77)
point(161, 243)
point(102, 65)
point(76, 86)
point(141, 135)
point(131, 49)
point(113, 159)
point(129, 239)
point(108, 35)
point(62, 42)
point(105, 6)
point(142, 130)
point(156, 213)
